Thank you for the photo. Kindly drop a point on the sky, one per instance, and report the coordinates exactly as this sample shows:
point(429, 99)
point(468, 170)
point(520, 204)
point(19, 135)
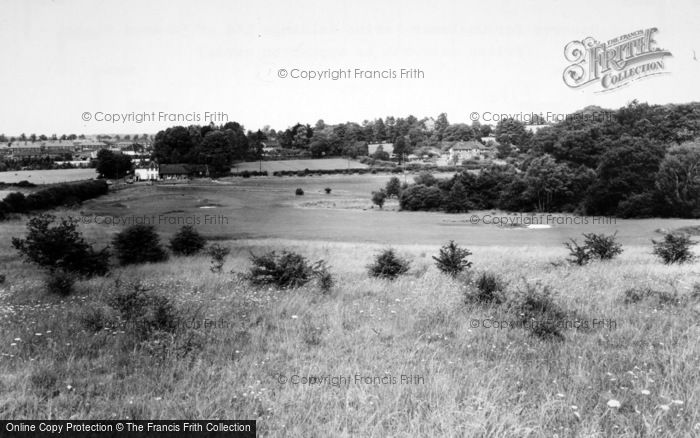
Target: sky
point(63, 59)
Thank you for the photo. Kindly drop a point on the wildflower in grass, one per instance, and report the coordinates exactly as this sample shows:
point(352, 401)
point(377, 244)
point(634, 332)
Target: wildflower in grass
point(13, 344)
point(612, 403)
point(677, 402)
point(645, 392)
point(664, 407)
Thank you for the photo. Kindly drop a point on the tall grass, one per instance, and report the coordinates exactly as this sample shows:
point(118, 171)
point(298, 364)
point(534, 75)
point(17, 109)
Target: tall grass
point(474, 379)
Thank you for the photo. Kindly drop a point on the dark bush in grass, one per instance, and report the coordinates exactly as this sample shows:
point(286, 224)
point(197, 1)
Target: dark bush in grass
point(601, 246)
point(44, 381)
point(287, 269)
point(2, 278)
point(452, 259)
point(489, 289)
point(327, 190)
point(595, 246)
point(323, 276)
point(187, 241)
point(138, 244)
point(143, 313)
point(218, 255)
point(539, 313)
point(577, 254)
point(299, 191)
point(59, 282)
point(60, 247)
point(379, 197)
point(674, 249)
point(387, 264)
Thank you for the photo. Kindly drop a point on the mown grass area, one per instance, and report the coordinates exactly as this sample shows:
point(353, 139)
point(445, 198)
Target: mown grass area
point(469, 379)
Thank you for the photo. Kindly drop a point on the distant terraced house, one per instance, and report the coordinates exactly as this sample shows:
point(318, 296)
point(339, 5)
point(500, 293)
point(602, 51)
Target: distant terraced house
point(39, 149)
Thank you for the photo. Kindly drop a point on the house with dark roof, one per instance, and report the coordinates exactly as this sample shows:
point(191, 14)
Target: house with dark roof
point(182, 171)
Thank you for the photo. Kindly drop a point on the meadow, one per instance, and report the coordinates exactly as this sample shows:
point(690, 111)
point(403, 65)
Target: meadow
point(409, 357)
point(47, 176)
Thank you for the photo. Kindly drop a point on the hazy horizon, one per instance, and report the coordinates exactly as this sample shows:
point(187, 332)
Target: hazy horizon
point(66, 58)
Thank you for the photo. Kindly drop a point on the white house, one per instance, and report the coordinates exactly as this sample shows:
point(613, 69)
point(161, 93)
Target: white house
point(149, 173)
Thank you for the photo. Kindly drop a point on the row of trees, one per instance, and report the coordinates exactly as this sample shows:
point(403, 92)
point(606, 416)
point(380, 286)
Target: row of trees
point(216, 146)
point(634, 179)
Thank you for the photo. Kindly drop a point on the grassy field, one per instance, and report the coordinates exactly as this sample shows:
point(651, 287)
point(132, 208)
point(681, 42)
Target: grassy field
point(296, 165)
point(415, 358)
point(47, 176)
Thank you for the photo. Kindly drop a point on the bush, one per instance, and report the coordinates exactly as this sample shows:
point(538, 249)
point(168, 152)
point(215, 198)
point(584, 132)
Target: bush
point(287, 269)
point(299, 191)
point(218, 255)
point(489, 290)
point(60, 247)
point(388, 265)
point(379, 198)
point(674, 249)
point(595, 246)
point(420, 198)
point(55, 195)
point(539, 313)
point(452, 259)
point(601, 246)
point(59, 282)
point(578, 254)
point(187, 241)
point(2, 278)
point(143, 313)
point(138, 244)
point(328, 190)
point(323, 276)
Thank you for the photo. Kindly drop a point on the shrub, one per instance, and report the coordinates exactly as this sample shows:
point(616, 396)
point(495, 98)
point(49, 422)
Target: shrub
point(299, 191)
point(2, 278)
point(138, 244)
point(419, 197)
point(489, 289)
point(379, 197)
point(95, 318)
point(601, 246)
point(287, 269)
point(388, 265)
point(59, 282)
point(143, 313)
point(323, 276)
point(452, 259)
point(539, 313)
point(328, 190)
point(674, 249)
point(595, 246)
point(187, 241)
point(60, 247)
point(218, 255)
point(578, 254)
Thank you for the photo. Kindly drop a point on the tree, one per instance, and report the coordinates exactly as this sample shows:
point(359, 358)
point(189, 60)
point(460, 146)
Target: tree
point(452, 259)
point(174, 145)
point(457, 200)
point(400, 148)
point(379, 197)
point(138, 244)
point(441, 124)
point(513, 132)
point(393, 187)
point(112, 164)
point(60, 247)
point(678, 180)
point(216, 152)
point(187, 241)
